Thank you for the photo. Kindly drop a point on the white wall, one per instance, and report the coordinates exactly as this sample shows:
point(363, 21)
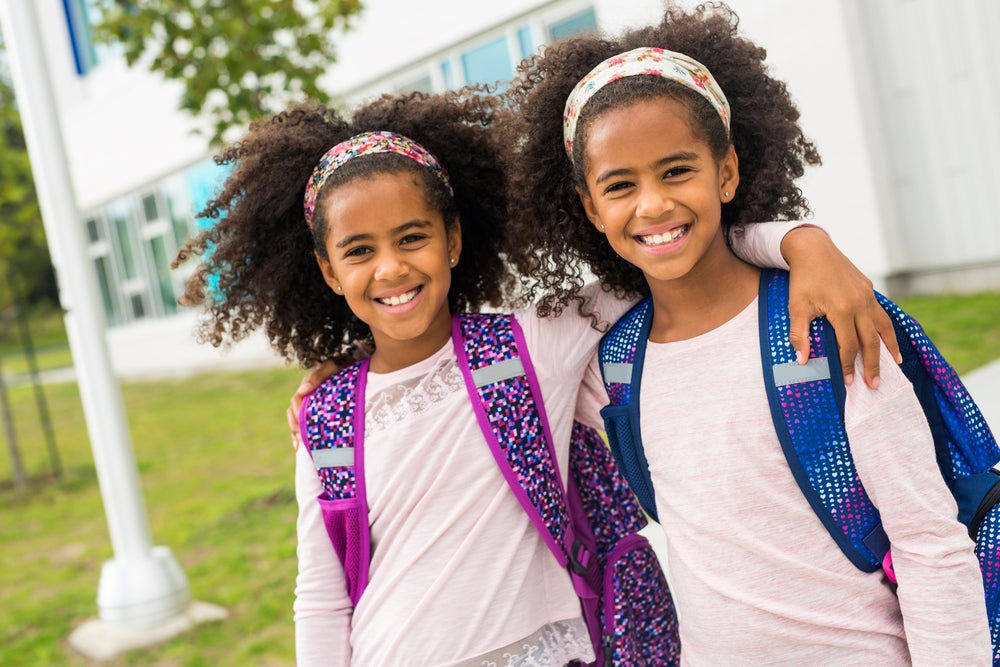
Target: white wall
point(121, 126)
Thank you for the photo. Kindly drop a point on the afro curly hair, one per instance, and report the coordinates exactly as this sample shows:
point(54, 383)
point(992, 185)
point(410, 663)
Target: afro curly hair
point(551, 241)
point(258, 264)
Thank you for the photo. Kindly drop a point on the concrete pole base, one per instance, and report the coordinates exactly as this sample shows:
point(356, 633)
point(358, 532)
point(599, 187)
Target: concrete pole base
point(142, 590)
point(100, 640)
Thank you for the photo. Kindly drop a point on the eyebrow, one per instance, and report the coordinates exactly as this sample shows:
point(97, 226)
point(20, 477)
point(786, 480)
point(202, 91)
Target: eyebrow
point(406, 226)
point(681, 156)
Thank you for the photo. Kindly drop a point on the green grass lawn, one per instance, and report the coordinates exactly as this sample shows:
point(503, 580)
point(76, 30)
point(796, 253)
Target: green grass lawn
point(966, 328)
point(217, 474)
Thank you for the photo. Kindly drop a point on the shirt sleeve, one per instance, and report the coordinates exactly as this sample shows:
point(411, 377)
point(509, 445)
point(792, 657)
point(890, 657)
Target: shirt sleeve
point(322, 606)
point(760, 244)
point(562, 345)
point(940, 584)
point(592, 397)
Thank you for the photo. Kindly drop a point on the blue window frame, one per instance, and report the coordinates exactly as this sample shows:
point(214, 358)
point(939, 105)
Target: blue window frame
point(488, 62)
point(585, 21)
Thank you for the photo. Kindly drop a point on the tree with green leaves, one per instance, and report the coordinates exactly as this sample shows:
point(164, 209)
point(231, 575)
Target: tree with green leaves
point(237, 59)
point(23, 250)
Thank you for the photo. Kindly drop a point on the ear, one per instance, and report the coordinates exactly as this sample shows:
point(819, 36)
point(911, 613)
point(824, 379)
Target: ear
point(590, 209)
point(455, 242)
point(328, 275)
point(729, 175)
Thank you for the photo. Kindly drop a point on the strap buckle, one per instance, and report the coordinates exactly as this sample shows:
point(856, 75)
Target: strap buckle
point(580, 558)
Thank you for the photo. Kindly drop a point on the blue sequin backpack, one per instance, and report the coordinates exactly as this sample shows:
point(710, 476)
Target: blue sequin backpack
point(807, 407)
point(590, 525)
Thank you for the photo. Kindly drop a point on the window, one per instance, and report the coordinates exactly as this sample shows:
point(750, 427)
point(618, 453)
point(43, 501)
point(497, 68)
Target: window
point(81, 17)
point(585, 21)
point(488, 63)
point(133, 240)
point(489, 58)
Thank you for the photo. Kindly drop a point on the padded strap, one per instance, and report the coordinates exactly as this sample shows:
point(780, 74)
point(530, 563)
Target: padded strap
point(621, 354)
point(502, 386)
point(807, 407)
point(332, 423)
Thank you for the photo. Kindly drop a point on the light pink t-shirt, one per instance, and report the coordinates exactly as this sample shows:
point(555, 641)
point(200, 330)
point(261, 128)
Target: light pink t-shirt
point(458, 574)
point(756, 577)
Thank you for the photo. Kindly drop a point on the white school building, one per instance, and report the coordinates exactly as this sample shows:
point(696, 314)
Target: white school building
point(899, 95)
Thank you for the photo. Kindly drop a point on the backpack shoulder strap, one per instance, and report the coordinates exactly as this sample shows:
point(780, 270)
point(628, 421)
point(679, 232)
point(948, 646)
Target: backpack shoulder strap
point(332, 423)
point(970, 447)
point(505, 396)
point(807, 407)
point(621, 354)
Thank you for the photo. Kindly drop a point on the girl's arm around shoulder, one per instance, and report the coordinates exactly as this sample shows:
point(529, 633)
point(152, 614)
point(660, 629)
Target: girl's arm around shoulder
point(940, 584)
point(823, 282)
point(565, 343)
point(323, 610)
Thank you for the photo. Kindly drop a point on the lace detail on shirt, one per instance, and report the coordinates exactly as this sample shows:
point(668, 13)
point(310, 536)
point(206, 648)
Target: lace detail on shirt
point(554, 645)
point(403, 400)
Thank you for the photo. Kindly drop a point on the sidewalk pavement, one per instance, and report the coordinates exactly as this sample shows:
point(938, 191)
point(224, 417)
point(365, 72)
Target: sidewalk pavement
point(984, 385)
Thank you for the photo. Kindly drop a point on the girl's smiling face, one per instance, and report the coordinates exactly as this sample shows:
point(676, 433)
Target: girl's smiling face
point(390, 255)
point(655, 189)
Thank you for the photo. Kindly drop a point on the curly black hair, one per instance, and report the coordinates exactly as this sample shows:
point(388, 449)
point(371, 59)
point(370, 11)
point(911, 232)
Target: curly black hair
point(258, 266)
point(551, 241)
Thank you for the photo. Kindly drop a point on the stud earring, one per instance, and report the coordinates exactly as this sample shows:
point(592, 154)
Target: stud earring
point(602, 228)
point(340, 288)
point(451, 260)
point(726, 194)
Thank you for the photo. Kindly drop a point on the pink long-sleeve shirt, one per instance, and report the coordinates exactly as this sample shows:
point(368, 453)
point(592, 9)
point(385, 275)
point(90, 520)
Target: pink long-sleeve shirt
point(756, 577)
point(459, 576)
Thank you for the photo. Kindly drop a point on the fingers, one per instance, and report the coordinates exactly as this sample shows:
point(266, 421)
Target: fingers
point(887, 333)
point(292, 415)
point(309, 383)
point(847, 341)
point(798, 334)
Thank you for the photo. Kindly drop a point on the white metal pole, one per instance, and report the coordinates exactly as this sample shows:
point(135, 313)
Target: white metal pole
point(141, 585)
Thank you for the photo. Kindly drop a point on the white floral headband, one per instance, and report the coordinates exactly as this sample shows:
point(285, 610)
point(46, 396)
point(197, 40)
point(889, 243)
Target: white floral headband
point(650, 61)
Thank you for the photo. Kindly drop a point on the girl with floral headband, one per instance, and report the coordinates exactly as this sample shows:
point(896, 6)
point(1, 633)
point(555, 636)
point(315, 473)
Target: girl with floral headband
point(641, 160)
point(376, 230)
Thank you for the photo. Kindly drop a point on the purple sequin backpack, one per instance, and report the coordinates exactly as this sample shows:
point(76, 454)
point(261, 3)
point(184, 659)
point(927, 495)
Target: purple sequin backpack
point(590, 524)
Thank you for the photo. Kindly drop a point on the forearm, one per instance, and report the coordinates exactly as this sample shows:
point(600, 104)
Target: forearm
point(940, 585)
point(323, 610)
point(765, 244)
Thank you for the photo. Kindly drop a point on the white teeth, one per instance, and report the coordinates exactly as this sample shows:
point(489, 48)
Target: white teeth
point(399, 298)
point(660, 239)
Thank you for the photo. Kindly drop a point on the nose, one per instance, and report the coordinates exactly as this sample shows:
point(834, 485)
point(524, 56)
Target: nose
point(391, 265)
point(653, 201)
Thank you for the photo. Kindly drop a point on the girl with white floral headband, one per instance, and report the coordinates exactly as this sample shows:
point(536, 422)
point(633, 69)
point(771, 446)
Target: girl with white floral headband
point(643, 160)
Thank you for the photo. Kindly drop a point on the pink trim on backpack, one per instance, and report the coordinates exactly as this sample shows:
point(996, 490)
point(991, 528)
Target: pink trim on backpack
point(890, 573)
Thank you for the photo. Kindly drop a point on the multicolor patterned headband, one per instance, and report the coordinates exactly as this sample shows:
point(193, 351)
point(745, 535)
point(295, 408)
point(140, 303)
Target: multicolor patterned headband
point(368, 143)
point(645, 60)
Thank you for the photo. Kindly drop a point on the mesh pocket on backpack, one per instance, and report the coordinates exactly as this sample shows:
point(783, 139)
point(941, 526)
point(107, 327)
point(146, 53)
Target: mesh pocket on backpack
point(640, 624)
point(343, 519)
point(988, 552)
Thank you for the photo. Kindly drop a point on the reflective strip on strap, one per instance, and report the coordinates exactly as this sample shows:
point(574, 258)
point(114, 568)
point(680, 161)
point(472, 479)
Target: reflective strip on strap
point(620, 373)
point(502, 370)
point(794, 373)
point(333, 457)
